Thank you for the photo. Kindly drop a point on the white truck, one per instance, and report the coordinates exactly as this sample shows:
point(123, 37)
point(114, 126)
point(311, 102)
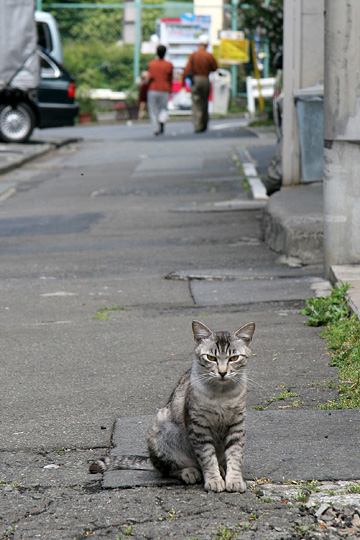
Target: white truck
point(35, 89)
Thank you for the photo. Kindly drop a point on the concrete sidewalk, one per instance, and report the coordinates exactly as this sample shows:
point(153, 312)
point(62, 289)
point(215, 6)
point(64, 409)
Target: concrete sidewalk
point(108, 250)
point(14, 155)
point(292, 224)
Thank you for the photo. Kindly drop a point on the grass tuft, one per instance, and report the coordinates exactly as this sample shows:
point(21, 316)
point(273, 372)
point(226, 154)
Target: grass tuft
point(342, 335)
point(327, 309)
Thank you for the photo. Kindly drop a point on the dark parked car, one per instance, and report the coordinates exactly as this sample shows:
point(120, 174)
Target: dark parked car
point(53, 105)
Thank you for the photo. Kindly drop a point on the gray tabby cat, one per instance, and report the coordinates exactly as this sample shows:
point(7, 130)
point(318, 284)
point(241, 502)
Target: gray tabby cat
point(199, 435)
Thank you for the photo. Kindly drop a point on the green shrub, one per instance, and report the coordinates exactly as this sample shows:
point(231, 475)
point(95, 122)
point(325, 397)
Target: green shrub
point(99, 65)
point(327, 309)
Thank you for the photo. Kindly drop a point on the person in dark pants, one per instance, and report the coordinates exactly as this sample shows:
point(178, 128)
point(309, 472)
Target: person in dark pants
point(160, 75)
point(143, 91)
point(200, 64)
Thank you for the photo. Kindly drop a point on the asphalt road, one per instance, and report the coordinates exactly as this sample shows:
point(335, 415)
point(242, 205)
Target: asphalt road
point(91, 330)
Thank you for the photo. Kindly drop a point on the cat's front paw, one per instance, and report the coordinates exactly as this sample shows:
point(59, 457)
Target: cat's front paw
point(235, 485)
point(215, 484)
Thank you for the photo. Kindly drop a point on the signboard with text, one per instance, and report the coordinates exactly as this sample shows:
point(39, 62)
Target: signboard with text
point(233, 48)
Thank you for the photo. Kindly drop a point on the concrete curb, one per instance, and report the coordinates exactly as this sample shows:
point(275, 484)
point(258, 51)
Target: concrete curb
point(293, 223)
point(19, 155)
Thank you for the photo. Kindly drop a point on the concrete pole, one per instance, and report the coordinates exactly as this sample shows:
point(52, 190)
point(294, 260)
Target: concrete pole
point(291, 83)
point(342, 133)
point(303, 67)
point(137, 44)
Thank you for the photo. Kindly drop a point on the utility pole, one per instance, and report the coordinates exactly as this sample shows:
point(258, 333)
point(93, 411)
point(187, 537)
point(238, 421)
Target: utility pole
point(342, 133)
point(234, 27)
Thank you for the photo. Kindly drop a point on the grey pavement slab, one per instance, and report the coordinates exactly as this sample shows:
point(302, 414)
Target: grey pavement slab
point(161, 163)
point(75, 374)
point(281, 445)
point(239, 291)
point(293, 222)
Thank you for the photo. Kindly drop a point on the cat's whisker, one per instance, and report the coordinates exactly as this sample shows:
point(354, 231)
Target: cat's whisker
point(255, 383)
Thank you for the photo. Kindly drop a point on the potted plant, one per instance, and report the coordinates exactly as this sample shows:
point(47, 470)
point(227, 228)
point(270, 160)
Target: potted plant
point(87, 108)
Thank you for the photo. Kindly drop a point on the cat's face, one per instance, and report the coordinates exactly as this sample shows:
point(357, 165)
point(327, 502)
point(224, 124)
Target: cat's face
point(222, 356)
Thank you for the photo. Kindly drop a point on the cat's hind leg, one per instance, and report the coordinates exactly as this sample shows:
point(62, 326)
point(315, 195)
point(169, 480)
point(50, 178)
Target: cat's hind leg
point(189, 475)
point(170, 451)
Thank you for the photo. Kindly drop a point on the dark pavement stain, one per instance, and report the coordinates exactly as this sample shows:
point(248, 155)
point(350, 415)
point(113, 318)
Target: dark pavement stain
point(47, 225)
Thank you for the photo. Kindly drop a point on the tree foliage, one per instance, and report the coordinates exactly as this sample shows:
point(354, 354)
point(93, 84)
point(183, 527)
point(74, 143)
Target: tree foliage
point(266, 19)
point(101, 65)
point(103, 24)
point(93, 52)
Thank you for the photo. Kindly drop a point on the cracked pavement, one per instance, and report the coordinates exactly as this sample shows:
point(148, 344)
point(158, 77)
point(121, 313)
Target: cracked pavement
point(91, 330)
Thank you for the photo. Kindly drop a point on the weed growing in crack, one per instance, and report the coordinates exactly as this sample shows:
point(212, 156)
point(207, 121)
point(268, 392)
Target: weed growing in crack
point(260, 408)
point(304, 531)
point(103, 314)
point(302, 495)
point(312, 485)
point(266, 500)
point(330, 492)
point(325, 310)
point(283, 395)
point(171, 515)
point(9, 532)
point(129, 530)
point(353, 488)
point(224, 533)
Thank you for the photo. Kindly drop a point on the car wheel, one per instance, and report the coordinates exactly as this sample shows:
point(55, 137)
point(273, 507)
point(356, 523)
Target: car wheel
point(16, 122)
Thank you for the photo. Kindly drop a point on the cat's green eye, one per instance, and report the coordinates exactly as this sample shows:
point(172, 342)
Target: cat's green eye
point(234, 358)
point(210, 357)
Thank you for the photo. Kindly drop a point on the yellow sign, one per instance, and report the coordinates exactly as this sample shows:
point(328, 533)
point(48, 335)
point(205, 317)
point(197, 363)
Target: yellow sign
point(234, 51)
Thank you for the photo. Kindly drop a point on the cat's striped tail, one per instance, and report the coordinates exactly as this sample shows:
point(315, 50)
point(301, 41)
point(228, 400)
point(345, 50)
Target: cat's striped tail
point(122, 462)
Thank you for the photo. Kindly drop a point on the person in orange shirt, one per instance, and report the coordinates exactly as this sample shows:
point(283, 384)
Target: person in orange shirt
point(200, 64)
point(160, 73)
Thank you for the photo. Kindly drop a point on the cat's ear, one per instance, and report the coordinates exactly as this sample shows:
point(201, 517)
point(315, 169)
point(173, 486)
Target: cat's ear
point(246, 332)
point(200, 331)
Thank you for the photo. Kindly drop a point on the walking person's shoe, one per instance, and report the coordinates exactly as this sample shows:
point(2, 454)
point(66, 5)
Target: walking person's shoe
point(161, 129)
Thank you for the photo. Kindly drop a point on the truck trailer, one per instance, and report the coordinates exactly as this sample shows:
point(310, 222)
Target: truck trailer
point(35, 89)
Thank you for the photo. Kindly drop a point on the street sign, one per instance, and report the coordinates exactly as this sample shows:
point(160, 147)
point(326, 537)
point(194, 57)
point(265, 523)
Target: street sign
point(234, 52)
point(233, 48)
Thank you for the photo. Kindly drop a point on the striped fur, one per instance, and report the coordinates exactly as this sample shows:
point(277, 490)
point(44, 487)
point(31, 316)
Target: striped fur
point(122, 462)
point(199, 435)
